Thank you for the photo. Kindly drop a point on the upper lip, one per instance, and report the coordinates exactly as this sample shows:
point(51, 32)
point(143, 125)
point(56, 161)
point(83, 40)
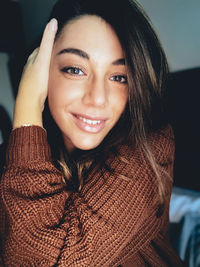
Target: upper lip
point(90, 117)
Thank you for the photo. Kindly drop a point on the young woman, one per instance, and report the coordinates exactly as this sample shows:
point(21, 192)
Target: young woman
point(101, 196)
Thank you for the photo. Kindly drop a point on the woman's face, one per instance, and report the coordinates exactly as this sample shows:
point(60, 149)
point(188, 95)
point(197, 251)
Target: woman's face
point(88, 83)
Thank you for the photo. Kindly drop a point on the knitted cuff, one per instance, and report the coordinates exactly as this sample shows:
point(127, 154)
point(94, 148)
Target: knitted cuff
point(28, 143)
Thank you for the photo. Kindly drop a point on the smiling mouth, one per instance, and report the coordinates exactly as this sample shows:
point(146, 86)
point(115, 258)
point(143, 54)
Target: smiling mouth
point(91, 122)
point(88, 124)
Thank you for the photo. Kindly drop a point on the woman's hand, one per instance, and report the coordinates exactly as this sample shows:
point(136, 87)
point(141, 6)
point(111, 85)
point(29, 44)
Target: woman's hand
point(34, 83)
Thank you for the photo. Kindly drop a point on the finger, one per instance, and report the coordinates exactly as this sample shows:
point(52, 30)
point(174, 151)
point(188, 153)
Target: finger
point(33, 56)
point(46, 46)
point(31, 59)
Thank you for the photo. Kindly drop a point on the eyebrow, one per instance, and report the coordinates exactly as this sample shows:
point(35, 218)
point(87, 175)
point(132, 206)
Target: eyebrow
point(120, 61)
point(83, 54)
point(74, 51)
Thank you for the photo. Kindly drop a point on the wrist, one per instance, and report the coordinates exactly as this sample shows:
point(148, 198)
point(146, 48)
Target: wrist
point(27, 113)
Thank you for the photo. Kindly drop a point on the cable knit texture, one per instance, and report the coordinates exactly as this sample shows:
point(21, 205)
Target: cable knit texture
point(113, 221)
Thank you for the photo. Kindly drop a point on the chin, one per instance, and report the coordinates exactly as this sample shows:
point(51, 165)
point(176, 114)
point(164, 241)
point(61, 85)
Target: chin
point(87, 144)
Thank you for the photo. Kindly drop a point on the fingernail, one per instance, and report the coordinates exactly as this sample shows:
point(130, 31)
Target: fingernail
point(53, 24)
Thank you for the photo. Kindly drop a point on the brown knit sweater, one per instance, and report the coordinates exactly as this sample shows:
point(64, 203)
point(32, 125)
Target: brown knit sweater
point(113, 221)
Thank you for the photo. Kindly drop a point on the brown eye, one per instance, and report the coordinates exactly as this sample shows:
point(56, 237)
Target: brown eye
point(119, 78)
point(73, 71)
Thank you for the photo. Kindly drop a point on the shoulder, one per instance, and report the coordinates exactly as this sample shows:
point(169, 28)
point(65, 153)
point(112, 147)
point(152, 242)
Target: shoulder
point(160, 142)
point(133, 161)
point(164, 136)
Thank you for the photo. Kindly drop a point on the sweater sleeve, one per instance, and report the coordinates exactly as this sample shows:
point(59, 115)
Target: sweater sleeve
point(43, 225)
point(32, 201)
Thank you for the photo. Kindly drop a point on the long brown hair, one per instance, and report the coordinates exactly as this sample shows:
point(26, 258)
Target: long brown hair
point(147, 71)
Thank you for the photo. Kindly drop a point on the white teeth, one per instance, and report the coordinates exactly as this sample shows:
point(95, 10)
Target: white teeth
point(91, 122)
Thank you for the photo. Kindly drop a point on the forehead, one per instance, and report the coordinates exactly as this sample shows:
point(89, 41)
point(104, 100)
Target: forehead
point(90, 33)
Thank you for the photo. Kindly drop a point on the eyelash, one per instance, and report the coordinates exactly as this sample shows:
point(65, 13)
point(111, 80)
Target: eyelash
point(76, 70)
point(66, 70)
point(122, 77)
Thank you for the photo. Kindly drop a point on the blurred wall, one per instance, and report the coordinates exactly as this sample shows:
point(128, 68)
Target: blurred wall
point(177, 23)
point(6, 96)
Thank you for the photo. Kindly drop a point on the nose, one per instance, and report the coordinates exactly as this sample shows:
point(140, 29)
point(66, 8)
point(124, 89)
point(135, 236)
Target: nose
point(95, 93)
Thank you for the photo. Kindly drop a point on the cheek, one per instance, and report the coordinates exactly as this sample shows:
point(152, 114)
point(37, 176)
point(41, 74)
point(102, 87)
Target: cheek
point(58, 89)
point(56, 93)
point(53, 94)
point(119, 101)
point(63, 93)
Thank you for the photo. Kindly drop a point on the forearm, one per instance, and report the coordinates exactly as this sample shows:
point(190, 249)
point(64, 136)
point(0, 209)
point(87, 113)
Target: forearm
point(36, 203)
point(32, 201)
point(33, 86)
point(97, 223)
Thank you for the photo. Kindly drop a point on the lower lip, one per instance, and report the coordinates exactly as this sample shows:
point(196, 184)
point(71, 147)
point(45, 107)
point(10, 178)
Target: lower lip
point(89, 128)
